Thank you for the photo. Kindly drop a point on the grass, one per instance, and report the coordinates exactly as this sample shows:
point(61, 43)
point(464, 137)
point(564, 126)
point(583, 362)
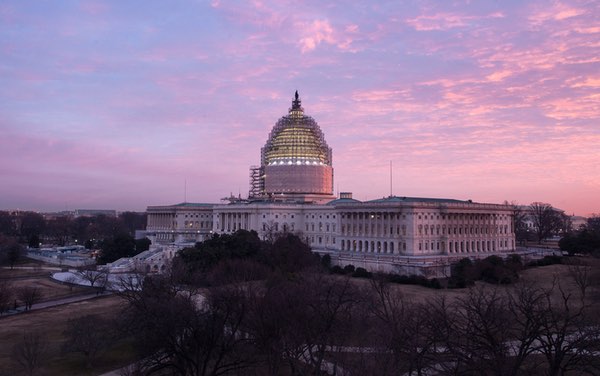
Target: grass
point(51, 323)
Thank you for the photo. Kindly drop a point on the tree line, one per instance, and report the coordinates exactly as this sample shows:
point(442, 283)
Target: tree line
point(33, 228)
point(545, 220)
point(114, 236)
point(226, 308)
point(584, 240)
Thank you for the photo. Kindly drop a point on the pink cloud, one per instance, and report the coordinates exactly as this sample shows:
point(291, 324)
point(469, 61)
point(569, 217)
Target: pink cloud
point(556, 12)
point(445, 21)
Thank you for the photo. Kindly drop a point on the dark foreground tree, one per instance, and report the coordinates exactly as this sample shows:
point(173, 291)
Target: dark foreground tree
point(29, 354)
point(183, 333)
point(403, 328)
point(7, 224)
point(88, 335)
point(583, 242)
point(133, 221)
point(569, 331)
point(6, 296)
point(10, 251)
point(142, 245)
point(31, 224)
point(28, 295)
point(122, 245)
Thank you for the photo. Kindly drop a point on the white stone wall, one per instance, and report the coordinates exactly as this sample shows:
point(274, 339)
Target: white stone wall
point(367, 231)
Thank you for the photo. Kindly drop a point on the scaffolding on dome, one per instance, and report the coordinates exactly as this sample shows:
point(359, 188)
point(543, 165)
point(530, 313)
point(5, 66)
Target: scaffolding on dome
point(296, 139)
point(296, 162)
point(257, 182)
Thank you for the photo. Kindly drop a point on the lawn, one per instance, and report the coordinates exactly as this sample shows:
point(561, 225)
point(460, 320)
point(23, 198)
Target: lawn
point(51, 323)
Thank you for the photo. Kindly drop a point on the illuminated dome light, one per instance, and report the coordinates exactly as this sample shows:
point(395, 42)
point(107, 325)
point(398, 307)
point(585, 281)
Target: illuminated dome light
point(296, 136)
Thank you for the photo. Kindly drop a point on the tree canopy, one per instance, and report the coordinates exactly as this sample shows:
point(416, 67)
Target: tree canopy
point(287, 253)
point(584, 241)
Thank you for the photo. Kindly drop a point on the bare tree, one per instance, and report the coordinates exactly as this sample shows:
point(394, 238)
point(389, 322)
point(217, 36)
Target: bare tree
point(185, 334)
point(96, 278)
point(527, 308)
point(546, 220)
point(593, 223)
point(330, 306)
point(30, 353)
point(28, 295)
point(518, 216)
point(10, 250)
point(6, 295)
point(568, 328)
point(71, 280)
point(483, 330)
point(403, 328)
point(270, 321)
point(88, 335)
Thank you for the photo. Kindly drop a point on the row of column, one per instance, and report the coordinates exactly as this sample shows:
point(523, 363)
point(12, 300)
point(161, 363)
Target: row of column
point(163, 221)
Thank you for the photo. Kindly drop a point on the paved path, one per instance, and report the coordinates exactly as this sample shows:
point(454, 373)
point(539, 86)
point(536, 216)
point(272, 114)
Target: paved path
point(67, 300)
point(57, 302)
point(40, 268)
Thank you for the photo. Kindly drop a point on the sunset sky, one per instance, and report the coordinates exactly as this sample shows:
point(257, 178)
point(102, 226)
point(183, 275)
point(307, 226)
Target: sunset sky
point(117, 104)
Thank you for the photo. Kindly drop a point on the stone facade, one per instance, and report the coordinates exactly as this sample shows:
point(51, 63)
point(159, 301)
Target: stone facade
point(387, 234)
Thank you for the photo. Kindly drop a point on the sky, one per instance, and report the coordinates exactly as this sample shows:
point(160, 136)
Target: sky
point(125, 104)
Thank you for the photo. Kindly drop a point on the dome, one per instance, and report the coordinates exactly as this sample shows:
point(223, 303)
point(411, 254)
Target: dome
point(296, 161)
point(296, 139)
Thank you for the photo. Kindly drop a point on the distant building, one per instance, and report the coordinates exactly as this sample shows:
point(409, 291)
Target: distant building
point(94, 212)
point(292, 191)
point(578, 222)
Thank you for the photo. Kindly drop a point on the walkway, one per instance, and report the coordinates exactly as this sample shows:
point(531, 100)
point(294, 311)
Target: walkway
point(57, 302)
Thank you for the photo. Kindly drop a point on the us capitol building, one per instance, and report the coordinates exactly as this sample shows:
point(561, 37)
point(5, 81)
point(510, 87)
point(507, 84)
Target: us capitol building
point(292, 191)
